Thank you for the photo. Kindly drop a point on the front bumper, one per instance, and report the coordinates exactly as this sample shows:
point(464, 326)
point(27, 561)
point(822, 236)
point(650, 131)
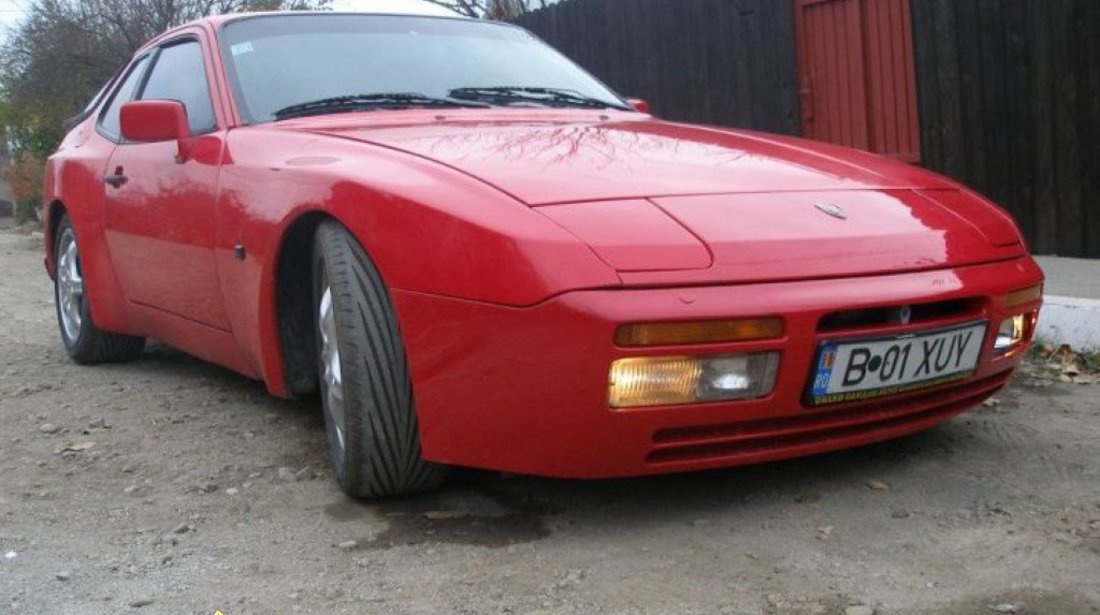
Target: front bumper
point(525, 390)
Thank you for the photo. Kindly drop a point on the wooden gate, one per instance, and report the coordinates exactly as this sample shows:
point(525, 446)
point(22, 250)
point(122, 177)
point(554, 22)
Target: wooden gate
point(857, 77)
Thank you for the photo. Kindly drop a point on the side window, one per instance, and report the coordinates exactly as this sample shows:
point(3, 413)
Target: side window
point(94, 102)
point(122, 95)
point(179, 74)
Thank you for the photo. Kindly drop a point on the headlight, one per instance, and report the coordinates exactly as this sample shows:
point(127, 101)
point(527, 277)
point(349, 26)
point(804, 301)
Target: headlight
point(660, 381)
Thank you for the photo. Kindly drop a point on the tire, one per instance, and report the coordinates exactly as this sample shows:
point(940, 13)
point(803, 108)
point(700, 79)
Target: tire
point(86, 343)
point(366, 389)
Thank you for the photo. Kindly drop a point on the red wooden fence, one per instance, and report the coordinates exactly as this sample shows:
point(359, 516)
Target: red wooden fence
point(857, 77)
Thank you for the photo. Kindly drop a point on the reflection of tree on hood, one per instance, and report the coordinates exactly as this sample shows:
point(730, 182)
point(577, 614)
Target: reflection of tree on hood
point(604, 146)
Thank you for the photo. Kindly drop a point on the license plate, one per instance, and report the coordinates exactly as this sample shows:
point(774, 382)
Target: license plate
point(861, 369)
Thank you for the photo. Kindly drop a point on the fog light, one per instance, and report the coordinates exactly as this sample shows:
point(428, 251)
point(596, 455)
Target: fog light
point(660, 381)
point(1010, 334)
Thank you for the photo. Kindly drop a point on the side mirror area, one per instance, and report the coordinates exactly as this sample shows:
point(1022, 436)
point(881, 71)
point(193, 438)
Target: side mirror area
point(155, 121)
point(640, 105)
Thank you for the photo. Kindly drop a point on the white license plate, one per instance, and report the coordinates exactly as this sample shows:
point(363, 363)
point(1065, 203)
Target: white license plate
point(861, 369)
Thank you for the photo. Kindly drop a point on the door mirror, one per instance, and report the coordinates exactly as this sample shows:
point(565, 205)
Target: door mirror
point(641, 106)
point(154, 121)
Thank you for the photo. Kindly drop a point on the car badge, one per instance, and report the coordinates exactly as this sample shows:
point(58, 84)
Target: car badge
point(905, 314)
point(835, 211)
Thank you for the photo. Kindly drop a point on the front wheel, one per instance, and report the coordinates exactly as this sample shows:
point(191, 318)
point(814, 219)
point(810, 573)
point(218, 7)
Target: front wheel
point(86, 343)
point(366, 389)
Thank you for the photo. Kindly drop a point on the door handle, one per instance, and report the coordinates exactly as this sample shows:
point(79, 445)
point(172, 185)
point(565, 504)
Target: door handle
point(117, 180)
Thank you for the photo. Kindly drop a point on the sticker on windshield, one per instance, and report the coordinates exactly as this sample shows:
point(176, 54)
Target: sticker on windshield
point(241, 49)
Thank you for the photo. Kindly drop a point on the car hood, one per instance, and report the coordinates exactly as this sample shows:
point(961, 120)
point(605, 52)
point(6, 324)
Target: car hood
point(568, 157)
point(669, 203)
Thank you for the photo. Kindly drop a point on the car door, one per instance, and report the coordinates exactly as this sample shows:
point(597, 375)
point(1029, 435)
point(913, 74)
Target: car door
point(160, 222)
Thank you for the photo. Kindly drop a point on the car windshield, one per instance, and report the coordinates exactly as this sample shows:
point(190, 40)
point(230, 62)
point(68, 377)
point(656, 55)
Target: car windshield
point(287, 61)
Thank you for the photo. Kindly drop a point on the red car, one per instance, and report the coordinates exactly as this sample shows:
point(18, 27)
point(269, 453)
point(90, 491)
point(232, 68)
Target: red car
point(481, 256)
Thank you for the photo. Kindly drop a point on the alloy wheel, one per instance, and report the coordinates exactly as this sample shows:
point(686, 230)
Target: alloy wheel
point(332, 376)
point(70, 287)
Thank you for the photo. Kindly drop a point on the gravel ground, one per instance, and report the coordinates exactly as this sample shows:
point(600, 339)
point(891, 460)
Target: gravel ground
point(170, 486)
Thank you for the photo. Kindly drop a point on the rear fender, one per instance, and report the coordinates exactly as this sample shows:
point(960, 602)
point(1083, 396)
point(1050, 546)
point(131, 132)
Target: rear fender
point(74, 187)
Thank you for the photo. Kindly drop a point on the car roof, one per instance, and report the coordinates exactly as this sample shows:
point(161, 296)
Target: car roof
point(217, 21)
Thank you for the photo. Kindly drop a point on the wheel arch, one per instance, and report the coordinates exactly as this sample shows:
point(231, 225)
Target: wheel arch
point(55, 211)
point(294, 303)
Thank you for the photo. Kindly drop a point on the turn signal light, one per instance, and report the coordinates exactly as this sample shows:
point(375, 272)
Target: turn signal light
point(1024, 296)
point(660, 381)
point(701, 332)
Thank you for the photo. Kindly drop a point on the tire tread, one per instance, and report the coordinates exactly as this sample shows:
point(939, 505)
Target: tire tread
point(384, 454)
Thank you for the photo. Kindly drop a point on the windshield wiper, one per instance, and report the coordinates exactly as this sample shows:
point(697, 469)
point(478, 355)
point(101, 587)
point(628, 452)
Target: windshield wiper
point(546, 96)
point(361, 102)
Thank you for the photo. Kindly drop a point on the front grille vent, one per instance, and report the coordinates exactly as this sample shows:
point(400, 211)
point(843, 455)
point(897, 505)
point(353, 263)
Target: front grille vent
point(899, 314)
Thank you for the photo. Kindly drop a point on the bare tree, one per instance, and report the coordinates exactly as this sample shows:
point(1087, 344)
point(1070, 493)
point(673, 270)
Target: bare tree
point(139, 20)
point(492, 9)
point(64, 50)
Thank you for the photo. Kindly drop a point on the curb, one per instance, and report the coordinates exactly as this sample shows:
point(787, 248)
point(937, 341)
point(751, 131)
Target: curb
point(1070, 320)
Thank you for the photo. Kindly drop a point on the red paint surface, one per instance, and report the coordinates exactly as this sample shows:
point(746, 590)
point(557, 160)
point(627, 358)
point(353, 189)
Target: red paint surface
point(514, 243)
point(525, 389)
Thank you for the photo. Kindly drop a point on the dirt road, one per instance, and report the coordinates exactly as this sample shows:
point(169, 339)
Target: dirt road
point(170, 486)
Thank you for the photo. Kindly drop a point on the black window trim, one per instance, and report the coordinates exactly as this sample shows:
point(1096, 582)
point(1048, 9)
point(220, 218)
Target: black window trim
point(153, 55)
point(94, 104)
point(183, 40)
point(110, 99)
